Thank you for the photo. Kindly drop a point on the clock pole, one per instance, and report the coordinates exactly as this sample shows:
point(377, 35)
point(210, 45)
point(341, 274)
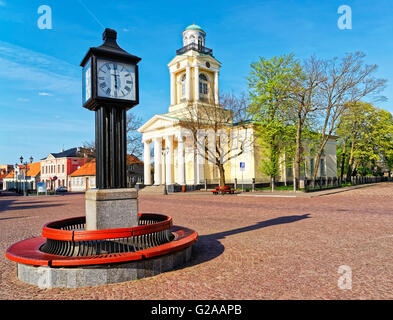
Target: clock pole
point(111, 147)
point(110, 87)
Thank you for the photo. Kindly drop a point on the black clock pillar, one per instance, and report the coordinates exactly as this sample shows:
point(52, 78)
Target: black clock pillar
point(111, 147)
point(110, 110)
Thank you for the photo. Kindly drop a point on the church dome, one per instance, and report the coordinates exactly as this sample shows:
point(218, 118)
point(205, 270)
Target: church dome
point(194, 34)
point(195, 27)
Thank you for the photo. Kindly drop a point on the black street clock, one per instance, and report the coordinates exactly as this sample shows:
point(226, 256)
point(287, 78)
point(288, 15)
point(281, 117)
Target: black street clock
point(110, 87)
point(110, 75)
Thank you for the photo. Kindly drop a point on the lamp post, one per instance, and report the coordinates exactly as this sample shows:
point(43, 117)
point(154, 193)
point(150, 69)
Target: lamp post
point(24, 167)
point(164, 155)
point(16, 177)
point(24, 177)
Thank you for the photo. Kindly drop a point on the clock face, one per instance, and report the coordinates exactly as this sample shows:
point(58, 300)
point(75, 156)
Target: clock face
point(86, 81)
point(115, 80)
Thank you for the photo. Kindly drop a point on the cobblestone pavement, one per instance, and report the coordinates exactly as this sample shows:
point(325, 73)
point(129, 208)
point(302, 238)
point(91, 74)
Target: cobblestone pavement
point(249, 247)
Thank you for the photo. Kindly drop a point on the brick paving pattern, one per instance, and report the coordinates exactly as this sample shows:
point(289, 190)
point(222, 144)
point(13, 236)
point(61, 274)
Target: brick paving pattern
point(249, 247)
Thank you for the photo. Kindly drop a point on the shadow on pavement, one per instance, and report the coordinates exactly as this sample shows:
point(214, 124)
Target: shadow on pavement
point(10, 218)
point(8, 205)
point(209, 247)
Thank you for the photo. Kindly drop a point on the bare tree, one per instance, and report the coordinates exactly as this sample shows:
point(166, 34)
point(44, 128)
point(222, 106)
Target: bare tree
point(346, 81)
point(134, 144)
point(306, 104)
point(220, 132)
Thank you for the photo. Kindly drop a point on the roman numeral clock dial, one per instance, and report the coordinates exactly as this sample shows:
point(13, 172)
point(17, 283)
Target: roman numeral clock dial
point(115, 80)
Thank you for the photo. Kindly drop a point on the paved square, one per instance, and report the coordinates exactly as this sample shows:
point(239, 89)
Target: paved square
point(249, 247)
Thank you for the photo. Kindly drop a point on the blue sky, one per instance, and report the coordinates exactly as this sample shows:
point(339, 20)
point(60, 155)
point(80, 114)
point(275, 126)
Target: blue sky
point(40, 77)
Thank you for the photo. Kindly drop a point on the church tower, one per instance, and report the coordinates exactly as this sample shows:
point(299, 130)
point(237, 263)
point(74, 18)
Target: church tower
point(193, 72)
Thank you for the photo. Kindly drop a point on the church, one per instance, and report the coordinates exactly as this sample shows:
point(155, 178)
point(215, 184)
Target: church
point(197, 141)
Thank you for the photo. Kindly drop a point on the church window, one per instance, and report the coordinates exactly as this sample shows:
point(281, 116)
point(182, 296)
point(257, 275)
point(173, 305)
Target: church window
point(183, 86)
point(202, 84)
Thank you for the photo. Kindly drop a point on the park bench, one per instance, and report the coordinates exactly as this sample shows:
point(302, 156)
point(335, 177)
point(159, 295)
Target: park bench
point(30, 252)
point(223, 190)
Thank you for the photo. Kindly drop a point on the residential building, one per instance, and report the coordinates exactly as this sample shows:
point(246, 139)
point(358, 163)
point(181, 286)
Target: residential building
point(135, 171)
point(56, 168)
point(23, 178)
point(84, 178)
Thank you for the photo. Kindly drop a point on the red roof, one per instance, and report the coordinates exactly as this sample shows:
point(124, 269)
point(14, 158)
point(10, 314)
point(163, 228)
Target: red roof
point(88, 169)
point(34, 169)
point(132, 159)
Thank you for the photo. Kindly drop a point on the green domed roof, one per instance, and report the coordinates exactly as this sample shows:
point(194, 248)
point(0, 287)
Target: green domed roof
point(194, 27)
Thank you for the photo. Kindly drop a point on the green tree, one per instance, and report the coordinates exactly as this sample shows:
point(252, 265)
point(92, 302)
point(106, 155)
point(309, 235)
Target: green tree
point(271, 84)
point(366, 139)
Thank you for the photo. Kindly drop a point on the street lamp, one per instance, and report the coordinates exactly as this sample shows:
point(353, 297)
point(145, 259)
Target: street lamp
point(31, 159)
point(164, 154)
point(24, 167)
point(16, 177)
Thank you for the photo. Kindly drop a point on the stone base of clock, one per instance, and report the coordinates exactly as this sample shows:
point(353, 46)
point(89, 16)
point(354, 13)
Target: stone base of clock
point(111, 208)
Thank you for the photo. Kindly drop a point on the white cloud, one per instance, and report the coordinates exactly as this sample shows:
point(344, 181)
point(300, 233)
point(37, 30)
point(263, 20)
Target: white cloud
point(38, 71)
point(23, 100)
point(45, 94)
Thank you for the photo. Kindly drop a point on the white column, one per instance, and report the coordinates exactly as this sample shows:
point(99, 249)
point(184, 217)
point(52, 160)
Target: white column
point(146, 162)
point(168, 159)
point(216, 97)
point(180, 161)
point(200, 159)
point(188, 82)
point(173, 86)
point(196, 83)
point(163, 166)
point(157, 161)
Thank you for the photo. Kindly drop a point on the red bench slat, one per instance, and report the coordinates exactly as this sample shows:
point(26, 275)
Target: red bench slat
point(27, 251)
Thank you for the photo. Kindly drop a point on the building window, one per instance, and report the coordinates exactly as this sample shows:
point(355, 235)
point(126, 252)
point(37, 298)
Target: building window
point(200, 43)
point(311, 166)
point(63, 168)
point(322, 165)
point(58, 168)
point(183, 86)
point(202, 85)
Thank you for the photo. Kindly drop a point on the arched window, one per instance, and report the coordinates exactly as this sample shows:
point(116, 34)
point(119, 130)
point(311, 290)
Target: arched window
point(185, 41)
point(203, 85)
point(183, 86)
point(200, 42)
point(192, 39)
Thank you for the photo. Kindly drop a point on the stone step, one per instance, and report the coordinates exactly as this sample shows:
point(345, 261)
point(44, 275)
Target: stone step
point(152, 189)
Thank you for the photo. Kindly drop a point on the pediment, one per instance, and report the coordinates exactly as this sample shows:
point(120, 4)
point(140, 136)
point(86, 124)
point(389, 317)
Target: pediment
point(158, 122)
